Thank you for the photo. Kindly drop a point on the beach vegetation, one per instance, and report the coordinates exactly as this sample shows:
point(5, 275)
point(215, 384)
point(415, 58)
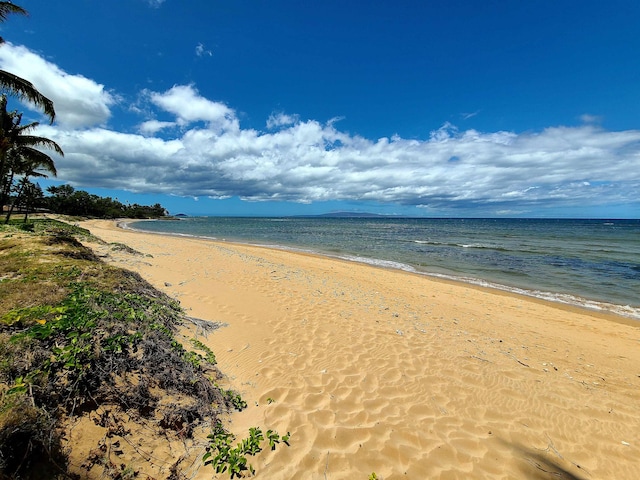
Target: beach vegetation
point(224, 457)
point(27, 197)
point(274, 438)
point(66, 200)
point(21, 159)
point(209, 355)
point(80, 338)
point(235, 399)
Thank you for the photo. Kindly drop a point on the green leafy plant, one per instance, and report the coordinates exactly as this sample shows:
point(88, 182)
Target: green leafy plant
point(251, 445)
point(20, 386)
point(225, 458)
point(209, 355)
point(236, 400)
point(274, 438)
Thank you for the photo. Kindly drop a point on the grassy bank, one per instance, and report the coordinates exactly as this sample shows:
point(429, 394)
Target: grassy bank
point(83, 340)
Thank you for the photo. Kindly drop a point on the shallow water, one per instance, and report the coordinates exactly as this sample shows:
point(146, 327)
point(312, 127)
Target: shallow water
point(593, 263)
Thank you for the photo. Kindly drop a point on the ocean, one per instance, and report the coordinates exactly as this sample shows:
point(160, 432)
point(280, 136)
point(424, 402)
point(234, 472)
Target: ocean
point(589, 263)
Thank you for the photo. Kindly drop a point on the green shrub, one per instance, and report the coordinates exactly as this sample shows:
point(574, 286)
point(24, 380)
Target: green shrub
point(223, 457)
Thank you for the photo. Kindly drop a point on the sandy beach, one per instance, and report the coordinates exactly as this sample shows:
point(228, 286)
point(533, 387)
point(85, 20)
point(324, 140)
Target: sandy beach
point(376, 370)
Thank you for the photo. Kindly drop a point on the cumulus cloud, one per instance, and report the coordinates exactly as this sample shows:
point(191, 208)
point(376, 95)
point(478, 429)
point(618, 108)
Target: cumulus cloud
point(201, 150)
point(79, 101)
point(151, 127)
point(309, 161)
point(188, 106)
point(277, 120)
point(105, 158)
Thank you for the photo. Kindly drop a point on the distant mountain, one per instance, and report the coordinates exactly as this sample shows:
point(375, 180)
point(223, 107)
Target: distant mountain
point(349, 215)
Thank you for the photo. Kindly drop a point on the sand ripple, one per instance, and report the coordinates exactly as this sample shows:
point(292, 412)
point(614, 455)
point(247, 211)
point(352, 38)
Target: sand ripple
point(380, 371)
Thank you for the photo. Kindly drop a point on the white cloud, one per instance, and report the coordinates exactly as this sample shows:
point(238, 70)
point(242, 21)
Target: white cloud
point(307, 161)
point(188, 106)
point(468, 115)
point(79, 101)
point(277, 120)
point(201, 51)
point(334, 120)
point(588, 118)
point(151, 127)
point(102, 157)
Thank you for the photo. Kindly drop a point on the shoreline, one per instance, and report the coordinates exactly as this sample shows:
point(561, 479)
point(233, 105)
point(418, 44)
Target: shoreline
point(380, 370)
point(613, 312)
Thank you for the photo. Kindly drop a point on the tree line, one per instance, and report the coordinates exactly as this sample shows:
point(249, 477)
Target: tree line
point(66, 200)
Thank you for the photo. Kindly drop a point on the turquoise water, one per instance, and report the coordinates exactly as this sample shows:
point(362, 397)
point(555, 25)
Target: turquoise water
point(592, 263)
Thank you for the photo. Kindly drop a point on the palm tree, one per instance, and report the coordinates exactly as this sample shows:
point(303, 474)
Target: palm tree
point(26, 162)
point(24, 190)
point(19, 154)
point(31, 196)
point(17, 86)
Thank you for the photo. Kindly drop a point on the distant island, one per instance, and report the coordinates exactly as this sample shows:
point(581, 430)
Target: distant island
point(348, 215)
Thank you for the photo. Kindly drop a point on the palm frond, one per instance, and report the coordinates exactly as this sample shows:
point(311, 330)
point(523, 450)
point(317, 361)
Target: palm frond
point(8, 8)
point(24, 90)
point(20, 129)
point(32, 160)
point(26, 141)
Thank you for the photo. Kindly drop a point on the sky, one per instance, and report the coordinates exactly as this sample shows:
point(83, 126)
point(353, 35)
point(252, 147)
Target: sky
point(463, 108)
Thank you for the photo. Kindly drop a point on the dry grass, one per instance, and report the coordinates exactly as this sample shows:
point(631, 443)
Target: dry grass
point(80, 339)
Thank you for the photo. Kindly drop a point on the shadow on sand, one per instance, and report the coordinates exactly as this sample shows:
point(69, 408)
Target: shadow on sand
point(538, 464)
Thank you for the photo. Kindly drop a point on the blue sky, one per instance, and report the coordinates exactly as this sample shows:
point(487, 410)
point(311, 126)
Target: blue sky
point(460, 108)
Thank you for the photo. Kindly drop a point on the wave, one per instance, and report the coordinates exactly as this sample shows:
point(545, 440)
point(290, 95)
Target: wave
point(564, 298)
point(630, 311)
point(378, 263)
point(482, 246)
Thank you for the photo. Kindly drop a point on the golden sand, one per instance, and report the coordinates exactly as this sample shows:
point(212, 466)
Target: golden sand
point(376, 370)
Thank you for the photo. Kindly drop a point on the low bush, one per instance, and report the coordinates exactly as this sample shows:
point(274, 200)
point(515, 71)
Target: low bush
point(77, 335)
